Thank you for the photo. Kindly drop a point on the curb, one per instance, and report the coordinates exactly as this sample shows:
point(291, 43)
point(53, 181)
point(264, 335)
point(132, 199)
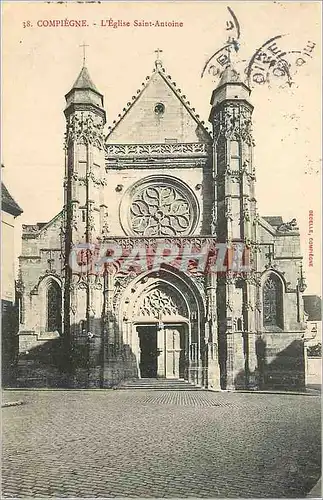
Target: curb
point(310, 392)
point(287, 393)
point(12, 403)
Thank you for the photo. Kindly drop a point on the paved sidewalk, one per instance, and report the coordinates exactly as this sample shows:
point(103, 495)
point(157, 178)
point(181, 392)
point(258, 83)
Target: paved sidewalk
point(160, 444)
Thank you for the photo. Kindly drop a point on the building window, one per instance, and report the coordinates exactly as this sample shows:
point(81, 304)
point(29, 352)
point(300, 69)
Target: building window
point(273, 302)
point(21, 309)
point(159, 109)
point(54, 307)
point(162, 207)
point(239, 325)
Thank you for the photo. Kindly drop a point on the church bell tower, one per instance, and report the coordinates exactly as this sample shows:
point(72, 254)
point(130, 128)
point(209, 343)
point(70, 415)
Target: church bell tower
point(235, 208)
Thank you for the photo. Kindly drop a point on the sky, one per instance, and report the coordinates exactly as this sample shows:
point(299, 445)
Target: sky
point(40, 64)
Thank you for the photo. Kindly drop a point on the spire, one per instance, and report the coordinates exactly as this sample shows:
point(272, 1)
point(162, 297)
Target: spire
point(229, 75)
point(230, 87)
point(84, 81)
point(84, 93)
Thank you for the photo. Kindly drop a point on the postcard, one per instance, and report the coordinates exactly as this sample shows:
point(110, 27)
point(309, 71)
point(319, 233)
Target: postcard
point(161, 249)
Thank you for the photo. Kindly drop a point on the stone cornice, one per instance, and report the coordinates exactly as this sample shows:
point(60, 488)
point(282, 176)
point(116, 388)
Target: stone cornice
point(157, 163)
point(160, 150)
point(29, 257)
point(130, 242)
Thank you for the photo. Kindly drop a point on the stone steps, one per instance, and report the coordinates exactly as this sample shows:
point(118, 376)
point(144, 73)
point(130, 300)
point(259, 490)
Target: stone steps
point(157, 385)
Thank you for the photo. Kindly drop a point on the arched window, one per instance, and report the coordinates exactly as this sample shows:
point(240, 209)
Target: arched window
point(54, 307)
point(273, 302)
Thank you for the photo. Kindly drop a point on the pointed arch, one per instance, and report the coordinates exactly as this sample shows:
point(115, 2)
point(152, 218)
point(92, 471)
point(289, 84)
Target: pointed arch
point(169, 278)
point(272, 300)
point(48, 291)
point(53, 307)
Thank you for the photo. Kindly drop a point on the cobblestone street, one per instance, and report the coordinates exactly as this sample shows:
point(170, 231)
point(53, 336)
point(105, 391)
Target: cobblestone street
point(160, 444)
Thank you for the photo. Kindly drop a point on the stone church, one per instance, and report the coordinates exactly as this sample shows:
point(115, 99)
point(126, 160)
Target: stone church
point(158, 179)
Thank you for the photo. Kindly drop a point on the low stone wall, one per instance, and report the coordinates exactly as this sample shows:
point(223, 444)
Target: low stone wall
point(281, 361)
point(313, 370)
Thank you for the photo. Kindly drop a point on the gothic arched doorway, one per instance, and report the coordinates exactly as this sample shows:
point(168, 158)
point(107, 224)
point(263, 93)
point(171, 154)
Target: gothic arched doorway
point(160, 318)
point(162, 350)
point(162, 315)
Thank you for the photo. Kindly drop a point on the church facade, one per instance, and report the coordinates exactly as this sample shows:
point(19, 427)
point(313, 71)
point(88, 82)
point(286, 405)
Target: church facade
point(120, 284)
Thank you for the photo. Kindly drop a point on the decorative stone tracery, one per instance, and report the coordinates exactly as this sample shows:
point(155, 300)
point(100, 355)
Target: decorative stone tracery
point(159, 206)
point(272, 302)
point(196, 242)
point(85, 128)
point(54, 301)
point(197, 148)
point(157, 303)
point(160, 210)
point(234, 123)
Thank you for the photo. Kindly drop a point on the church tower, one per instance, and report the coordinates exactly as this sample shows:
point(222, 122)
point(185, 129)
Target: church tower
point(85, 217)
point(235, 208)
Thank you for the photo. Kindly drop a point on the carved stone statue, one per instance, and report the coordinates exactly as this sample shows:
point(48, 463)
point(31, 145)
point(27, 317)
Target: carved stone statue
point(288, 226)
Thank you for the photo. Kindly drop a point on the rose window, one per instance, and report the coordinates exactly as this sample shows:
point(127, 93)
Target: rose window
point(161, 210)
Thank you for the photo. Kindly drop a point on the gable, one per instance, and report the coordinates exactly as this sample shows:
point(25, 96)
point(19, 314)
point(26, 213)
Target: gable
point(41, 230)
point(42, 236)
point(52, 228)
point(142, 123)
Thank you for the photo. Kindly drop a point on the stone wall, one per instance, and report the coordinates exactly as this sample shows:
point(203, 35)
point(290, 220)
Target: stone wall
point(142, 124)
point(313, 371)
point(40, 262)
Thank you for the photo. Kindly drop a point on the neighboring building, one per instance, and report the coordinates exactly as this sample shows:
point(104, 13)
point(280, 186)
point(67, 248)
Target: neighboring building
point(313, 339)
point(160, 176)
point(313, 316)
point(9, 329)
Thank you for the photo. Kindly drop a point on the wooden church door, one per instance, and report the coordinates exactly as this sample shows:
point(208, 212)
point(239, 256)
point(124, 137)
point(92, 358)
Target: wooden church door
point(173, 350)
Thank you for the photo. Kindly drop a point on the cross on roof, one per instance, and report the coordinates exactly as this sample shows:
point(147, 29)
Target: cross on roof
point(83, 45)
point(158, 61)
point(158, 52)
point(229, 48)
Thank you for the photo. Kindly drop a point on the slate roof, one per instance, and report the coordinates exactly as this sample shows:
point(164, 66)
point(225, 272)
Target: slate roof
point(84, 81)
point(274, 220)
point(8, 204)
point(172, 85)
point(229, 75)
point(34, 229)
point(313, 307)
